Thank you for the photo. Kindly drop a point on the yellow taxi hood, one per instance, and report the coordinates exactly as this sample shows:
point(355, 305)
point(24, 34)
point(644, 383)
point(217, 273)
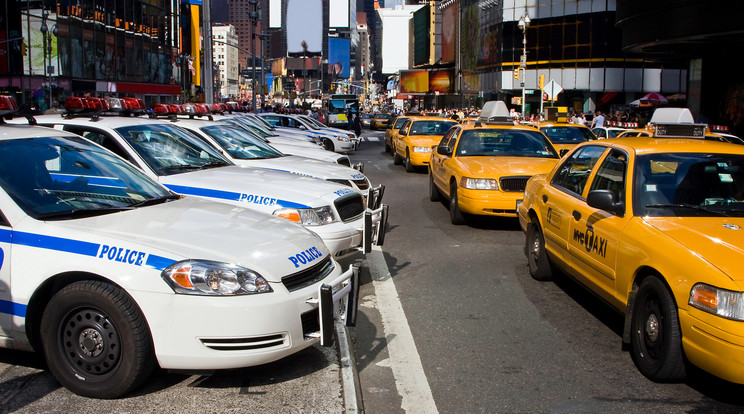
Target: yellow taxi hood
point(491, 166)
point(424, 140)
point(719, 241)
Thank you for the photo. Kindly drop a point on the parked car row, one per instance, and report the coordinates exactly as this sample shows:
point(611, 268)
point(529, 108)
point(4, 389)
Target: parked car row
point(95, 208)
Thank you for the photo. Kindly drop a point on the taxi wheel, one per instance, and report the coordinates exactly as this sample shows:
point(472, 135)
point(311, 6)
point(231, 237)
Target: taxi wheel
point(328, 144)
point(537, 258)
point(387, 146)
point(397, 160)
point(433, 192)
point(656, 340)
point(456, 215)
point(409, 166)
point(96, 340)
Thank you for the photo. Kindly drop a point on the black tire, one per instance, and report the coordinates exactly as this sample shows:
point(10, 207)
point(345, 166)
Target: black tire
point(387, 146)
point(656, 339)
point(328, 145)
point(433, 191)
point(397, 160)
point(96, 340)
point(456, 215)
point(537, 258)
point(407, 163)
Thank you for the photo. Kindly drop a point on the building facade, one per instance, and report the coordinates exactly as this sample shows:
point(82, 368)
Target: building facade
point(226, 58)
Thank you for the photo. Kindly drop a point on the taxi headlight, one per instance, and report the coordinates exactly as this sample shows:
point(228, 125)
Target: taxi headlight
point(209, 278)
point(721, 302)
point(421, 149)
point(479, 183)
point(308, 216)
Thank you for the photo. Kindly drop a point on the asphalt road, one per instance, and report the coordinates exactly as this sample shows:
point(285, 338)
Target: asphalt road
point(488, 337)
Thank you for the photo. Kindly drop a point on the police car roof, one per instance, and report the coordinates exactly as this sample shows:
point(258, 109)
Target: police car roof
point(16, 131)
point(109, 121)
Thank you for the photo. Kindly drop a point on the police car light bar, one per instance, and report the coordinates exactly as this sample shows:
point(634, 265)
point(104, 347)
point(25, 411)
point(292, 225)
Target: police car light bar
point(8, 106)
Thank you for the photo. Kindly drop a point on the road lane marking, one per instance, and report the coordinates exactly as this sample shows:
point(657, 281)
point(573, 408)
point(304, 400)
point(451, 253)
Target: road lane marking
point(404, 360)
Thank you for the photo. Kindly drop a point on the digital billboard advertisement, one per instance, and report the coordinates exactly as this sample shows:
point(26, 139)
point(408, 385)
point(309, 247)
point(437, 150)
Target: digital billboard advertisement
point(304, 27)
point(339, 57)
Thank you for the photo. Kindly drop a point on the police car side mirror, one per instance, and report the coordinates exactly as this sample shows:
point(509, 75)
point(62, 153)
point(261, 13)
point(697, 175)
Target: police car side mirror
point(303, 127)
point(605, 200)
point(444, 150)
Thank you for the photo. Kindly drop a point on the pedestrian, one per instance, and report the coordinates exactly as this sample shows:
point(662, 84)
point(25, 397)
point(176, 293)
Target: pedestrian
point(357, 125)
point(598, 121)
point(581, 119)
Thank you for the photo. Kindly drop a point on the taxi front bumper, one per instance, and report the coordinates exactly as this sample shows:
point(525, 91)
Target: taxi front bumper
point(202, 333)
point(714, 344)
point(489, 202)
point(419, 159)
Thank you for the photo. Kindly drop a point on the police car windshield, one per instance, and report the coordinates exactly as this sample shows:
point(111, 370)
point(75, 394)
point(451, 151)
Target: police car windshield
point(430, 127)
point(689, 185)
point(567, 135)
point(168, 149)
point(503, 143)
point(312, 121)
point(239, 144)
point(70, 177)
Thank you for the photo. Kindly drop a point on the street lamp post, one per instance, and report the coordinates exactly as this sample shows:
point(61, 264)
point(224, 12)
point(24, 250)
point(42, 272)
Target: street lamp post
point(523, 23)
point(47, 52)
point(264, 37)
point(253, 15)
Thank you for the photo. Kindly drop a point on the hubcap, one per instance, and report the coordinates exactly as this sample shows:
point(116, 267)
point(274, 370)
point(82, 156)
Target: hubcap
point(652, 327)
point(90, 343)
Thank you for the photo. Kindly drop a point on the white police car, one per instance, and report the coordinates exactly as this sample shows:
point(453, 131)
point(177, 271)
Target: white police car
point(186, 165)
point(332, 141)
point(109, 274)
point(242, 149)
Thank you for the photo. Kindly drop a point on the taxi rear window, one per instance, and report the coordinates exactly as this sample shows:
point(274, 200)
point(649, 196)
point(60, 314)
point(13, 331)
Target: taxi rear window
point(567, 135)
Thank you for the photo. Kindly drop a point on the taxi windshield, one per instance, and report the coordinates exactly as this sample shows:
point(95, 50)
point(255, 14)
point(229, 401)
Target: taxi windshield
point(689, 185)
point(431, 127)
point(70, 177)
point(239, 144)
point(504, 143)
point(567, 134)
point(168, 149)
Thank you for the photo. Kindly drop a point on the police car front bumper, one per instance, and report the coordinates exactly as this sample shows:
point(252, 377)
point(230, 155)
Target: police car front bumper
point(201, 333)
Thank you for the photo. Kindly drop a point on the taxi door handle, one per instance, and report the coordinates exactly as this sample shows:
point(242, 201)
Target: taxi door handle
point(576, 215)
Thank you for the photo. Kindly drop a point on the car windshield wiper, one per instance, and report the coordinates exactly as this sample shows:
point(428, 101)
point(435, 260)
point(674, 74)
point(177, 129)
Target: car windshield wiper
point(183, 167)
point(156, 200)
point(688, 206)
point(214, 164)
point(76, 213)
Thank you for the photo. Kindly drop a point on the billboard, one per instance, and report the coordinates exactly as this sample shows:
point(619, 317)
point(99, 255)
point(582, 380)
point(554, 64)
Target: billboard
point(304, 27)
point(339, 57)
point(442, 80)
point(421, 36)
point(275, 14)
point(449, 21)
point(338, 13)
point(414, 81)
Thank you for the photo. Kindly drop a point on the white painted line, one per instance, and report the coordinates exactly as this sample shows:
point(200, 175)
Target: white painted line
point(349, 377)
point(410, 379)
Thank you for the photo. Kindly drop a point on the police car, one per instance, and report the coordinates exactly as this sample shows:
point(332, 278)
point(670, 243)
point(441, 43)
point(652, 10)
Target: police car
point(109, 274)
point(244, 150)
point(187, 165)
point(655, 227)
point(332, 141)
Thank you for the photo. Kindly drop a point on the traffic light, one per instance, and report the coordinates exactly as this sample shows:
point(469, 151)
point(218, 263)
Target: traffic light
point(516, 73)
point(542, 81)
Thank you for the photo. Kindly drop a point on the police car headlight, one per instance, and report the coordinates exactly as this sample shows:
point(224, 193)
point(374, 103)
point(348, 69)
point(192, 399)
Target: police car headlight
point(340, 138)
point(209, 278)
point(421, 149)
point(721, 302)
point(479, 183)
point(308, 216)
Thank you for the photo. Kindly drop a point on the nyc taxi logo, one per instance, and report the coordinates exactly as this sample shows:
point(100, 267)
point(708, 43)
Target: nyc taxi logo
point(592, 243)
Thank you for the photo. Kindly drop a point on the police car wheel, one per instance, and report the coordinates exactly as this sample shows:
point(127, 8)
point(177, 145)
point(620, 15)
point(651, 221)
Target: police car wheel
point(433, 191)
point(656, 340)
point(457, 217)
point(328, 144)
point(409, 166)
point(96, 340)
point(537, 258)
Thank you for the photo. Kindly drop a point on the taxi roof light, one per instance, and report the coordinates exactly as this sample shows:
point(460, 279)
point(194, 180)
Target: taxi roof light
point(495, 113)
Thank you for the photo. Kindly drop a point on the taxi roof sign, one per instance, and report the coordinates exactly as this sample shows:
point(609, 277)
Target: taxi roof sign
point(676, 122)
point(495, 112)
point(672, 116)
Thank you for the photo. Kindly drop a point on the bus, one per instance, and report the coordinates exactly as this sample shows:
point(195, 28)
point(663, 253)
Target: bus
point(338, 108)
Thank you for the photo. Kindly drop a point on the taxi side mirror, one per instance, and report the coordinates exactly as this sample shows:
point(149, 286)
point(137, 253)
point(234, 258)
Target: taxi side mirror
point(605, 200)
point(563, 152)
point(444, 150)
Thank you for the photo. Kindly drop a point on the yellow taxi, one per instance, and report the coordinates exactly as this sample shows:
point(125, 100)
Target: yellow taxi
point(380, 121)
point(392, 130)
point(412, 146)
point(483, 167)
point(565, 136)
point(655, 227)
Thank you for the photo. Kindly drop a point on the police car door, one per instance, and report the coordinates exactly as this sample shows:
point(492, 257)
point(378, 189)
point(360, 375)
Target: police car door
point(6, 304)
point(594, 233)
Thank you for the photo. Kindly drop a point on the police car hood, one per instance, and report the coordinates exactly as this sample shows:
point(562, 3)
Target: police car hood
point(718, 240)
point(192, 228)
point(314, 152)
point(304, 167)
point(491, 166)
point(294, 141)
point(256, 185)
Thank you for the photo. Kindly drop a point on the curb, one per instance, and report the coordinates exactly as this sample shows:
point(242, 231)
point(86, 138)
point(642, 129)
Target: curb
point(349, 376)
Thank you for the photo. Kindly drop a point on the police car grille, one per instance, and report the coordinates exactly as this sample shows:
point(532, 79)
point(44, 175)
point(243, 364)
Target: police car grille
point(243, 344)
point(310, 322)
point(362, 184)
point(513, 184)
point(344, 161)
point(350, 206)
point(309, 276)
